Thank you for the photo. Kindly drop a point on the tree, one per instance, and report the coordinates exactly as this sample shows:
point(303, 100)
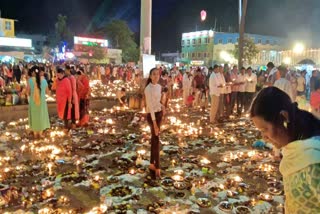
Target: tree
point(120, 36)
point(98, 53)
point(250, 51)
point(62, 32)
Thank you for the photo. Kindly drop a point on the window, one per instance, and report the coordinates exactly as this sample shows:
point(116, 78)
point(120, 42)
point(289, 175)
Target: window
point(199, 55)
point(229, 40)
point(193, 41)
point(182, 42)
point(182, 55)
point(206, 41)
point(220, 41)
point(188, 42)
point(8, 25)
point(204, 55)
point(259, 41)
point(267, 42)
point(193, 55)
point(199, 41)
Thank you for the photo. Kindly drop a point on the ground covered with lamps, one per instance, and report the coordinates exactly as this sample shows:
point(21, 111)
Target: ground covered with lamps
point(103, 168)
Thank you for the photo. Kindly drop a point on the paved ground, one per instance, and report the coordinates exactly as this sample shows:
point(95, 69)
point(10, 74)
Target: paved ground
point(104, 167)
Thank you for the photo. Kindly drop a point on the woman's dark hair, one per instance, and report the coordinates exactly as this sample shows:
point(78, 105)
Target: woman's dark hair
point(271, 101)
point(81, 69)
point(36, 70)
point(317, 84)
point(149, 79)
point(60, 71)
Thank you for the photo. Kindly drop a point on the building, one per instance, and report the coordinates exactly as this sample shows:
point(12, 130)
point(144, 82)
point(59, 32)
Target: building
point(7, 27)
point(38, 41)
point(209, 47)
point(170, 57)
point(12, 47)
point(86, 49)
point(306, 56)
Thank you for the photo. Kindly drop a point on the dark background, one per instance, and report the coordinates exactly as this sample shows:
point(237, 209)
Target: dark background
point(292, 19)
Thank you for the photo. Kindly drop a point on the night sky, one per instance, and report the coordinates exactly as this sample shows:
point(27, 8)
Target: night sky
point(293, 19)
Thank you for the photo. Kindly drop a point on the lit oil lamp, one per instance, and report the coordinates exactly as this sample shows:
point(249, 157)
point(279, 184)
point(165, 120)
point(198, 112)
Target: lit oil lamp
point(173, 162)
point(49, 166)
point(132, 171)
point(265, 197)
point(204, 161)
point(177, 178)
point(179, 172)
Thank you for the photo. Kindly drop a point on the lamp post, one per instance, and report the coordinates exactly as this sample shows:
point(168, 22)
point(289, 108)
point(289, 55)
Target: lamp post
point(242, 15)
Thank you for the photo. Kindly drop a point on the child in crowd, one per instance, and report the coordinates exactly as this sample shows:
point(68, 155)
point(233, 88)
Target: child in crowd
point(191, 99)
point(122, 97)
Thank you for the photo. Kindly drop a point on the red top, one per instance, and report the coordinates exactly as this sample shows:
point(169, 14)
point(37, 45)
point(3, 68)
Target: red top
point(315, 100)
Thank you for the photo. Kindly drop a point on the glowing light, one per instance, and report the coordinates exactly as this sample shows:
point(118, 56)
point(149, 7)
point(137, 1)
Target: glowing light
point(211, 33)
point(69, 55)
point(227, 57)
point(287, 60)
point(203, 15)
point(298, 48)
point(90, 41)
point(15, 42)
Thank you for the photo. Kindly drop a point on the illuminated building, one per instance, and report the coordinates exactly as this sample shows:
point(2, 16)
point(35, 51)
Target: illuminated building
point(209, 47)
point(85, 48)
point(10, 46)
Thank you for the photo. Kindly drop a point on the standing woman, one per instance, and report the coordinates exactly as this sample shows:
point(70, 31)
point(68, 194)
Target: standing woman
point(64, 97)
point(297, 133)
point(75, 100)
point(38, 109)
point(155, 112)
point(83, 89)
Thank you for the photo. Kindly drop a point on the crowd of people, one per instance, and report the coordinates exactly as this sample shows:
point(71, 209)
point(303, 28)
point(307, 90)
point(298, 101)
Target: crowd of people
point(270, 101)
point(270, 98)
point(233, 89)
point(72, 90)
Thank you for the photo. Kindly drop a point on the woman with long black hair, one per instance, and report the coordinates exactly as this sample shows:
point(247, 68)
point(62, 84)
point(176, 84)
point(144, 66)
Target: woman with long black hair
point(297, 133)
point(38, 109)
point(155, 110)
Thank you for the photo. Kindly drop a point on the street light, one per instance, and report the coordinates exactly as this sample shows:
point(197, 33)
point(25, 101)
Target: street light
point(298, 48)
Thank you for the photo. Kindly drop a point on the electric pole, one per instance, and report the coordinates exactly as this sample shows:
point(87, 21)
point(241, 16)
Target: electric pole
point(242, 17)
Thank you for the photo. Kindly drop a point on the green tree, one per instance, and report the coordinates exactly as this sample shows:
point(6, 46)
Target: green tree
point(250, 50)
point(98, 53)
point(62, 32)
point(121, 37)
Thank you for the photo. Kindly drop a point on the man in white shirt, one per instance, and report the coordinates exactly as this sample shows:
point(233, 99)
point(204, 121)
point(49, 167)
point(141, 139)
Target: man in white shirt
point(272, 74)
point(282, 83)
point(234, 89)
point(214, 91)
point(186, 85)
point(301, 83)
point(223, 91)
point(102, 73)
point(251, 83)
point(241, 81)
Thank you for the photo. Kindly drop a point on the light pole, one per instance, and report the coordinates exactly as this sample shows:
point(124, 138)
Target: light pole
point(242, 16)
point(145, 26)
